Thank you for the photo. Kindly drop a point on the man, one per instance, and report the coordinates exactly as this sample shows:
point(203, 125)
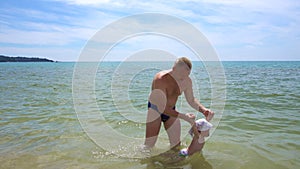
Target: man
point(166, 87)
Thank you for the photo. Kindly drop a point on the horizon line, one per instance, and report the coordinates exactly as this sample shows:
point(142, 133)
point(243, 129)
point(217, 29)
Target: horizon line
point(191, 60)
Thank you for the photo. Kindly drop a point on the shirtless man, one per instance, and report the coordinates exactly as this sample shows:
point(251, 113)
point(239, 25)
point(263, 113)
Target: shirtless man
point(166, 87)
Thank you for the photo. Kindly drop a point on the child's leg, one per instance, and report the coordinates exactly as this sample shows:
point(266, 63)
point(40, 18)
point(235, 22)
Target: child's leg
point(195, 146)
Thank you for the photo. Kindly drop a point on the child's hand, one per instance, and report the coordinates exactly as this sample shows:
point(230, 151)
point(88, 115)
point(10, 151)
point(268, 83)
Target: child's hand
point(208, 114)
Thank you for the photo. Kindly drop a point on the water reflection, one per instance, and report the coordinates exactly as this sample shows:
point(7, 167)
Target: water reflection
point(171, 159)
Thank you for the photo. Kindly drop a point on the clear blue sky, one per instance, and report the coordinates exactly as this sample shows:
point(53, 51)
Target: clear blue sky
point(238, 29)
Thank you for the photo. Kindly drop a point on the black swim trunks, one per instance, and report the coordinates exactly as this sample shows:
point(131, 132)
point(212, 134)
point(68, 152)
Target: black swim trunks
point(163, 116)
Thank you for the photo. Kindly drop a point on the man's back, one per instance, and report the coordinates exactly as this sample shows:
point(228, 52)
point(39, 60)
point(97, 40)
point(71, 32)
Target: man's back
point(164, 80)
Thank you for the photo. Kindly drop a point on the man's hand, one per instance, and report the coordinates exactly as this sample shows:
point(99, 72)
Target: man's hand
point(189, 117)
point(208, 114)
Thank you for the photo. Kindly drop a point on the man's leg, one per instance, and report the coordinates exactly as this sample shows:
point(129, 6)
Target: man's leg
point(152, 128)
point(173, 128)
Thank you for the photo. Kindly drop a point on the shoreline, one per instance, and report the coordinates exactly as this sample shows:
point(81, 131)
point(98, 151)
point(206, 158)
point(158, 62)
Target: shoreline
point(23, 59)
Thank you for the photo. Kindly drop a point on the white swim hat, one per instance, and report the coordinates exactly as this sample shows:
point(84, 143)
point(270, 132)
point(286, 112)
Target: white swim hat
point(202, 125)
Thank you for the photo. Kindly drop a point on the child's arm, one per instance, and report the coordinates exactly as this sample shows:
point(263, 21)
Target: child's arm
point(195, 131)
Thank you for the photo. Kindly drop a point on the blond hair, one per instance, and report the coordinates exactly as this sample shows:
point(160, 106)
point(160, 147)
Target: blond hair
point(183, 60)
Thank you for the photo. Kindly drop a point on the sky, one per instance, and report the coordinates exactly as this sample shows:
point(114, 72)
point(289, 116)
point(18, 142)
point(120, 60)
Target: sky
point(238, 30)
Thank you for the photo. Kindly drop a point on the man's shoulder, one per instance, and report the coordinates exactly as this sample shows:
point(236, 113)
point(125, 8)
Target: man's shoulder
point(162, 75)
point(189, 80)
point(161, 79)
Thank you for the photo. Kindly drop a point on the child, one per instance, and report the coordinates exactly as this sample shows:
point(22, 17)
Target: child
point(198, 132)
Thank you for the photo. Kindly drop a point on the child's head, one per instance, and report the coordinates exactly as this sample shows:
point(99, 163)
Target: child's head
point(203, 127)
point(204, 133)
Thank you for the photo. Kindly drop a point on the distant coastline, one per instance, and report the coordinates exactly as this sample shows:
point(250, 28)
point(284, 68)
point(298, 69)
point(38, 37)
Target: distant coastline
point(23, 59)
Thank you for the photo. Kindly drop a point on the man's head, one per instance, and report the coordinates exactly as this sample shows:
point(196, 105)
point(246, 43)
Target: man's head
point(182, 67)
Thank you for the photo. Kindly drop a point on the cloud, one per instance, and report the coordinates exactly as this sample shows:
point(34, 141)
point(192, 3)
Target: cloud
point(232, 26)
point(144, 32)
point(41, 27)
point(261, 11)
point(85, 2)
point(250, 22)
point(45, 35)
point(93, 3)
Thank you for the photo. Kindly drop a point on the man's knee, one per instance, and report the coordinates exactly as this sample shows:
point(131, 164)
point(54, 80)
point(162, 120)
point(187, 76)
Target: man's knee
point(150, 141)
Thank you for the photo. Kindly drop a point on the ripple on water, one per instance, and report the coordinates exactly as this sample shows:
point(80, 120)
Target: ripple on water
point(39, 127)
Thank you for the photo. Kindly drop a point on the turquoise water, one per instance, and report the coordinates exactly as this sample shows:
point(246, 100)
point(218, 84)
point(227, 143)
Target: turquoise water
point(39, 125)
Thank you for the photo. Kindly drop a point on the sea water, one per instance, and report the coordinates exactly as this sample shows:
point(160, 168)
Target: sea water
point(46, 124)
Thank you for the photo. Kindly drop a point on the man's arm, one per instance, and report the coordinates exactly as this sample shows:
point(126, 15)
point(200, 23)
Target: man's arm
point(193, 102)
